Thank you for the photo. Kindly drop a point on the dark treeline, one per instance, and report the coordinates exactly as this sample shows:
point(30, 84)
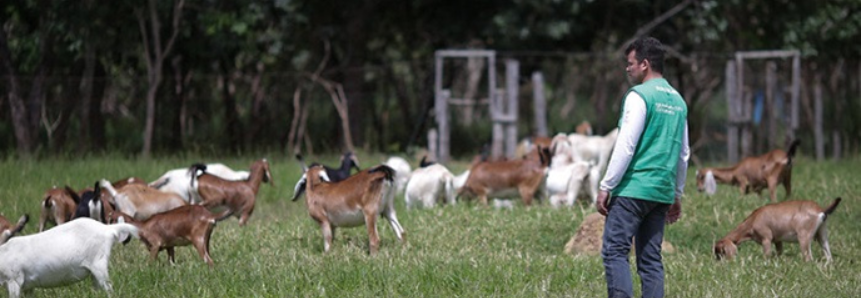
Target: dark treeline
point(145, 77)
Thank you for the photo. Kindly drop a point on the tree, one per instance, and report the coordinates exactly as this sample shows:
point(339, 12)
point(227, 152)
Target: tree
point(155, 54)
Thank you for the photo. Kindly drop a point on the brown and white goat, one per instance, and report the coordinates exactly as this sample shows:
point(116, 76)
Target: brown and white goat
point(503, 178)
point(58, 205)
point(7, 230)
point(238, 196)
point(355, 201)
point(185, 225)
point(753, 174)
point(141, 201)
point(790, 221)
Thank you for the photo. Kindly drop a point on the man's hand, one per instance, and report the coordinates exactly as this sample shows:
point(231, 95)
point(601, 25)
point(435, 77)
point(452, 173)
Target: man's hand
point(603, 200)
point(675, 211)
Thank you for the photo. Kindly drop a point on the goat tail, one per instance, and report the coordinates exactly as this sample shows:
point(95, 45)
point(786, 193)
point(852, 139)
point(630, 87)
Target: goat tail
point(831, 208)
point(194, 171)
point(21, 222)
point(710, 183)
point(791, 152)
point(387, 171)
point(123, 232)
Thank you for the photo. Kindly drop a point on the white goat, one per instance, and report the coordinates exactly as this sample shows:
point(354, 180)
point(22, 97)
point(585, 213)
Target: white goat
point(179, 180)
point(141, 201)
point(595, 149)
point(564, 182)
point(402, 171)
point(63, 255)
point(428, 185)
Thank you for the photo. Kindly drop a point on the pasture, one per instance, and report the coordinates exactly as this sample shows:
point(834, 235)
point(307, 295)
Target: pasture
point(454, 251)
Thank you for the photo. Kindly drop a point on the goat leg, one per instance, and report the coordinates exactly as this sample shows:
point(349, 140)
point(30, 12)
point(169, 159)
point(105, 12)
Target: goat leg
point(170, 255)
point(373, 237)
point(327, 235)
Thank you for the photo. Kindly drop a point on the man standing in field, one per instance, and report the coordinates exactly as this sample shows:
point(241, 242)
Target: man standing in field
point(646, 173)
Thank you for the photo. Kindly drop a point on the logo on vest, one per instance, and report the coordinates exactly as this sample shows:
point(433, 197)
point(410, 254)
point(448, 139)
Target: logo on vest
point(667, 109)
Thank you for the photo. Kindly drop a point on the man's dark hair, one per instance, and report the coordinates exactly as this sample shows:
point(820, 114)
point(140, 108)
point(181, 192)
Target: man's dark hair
point(648, 48)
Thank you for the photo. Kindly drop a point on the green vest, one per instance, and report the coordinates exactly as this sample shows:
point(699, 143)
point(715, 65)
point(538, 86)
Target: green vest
point(651, 175)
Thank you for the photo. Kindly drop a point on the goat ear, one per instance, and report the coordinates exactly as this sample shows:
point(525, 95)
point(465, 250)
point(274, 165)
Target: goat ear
point(710, 183)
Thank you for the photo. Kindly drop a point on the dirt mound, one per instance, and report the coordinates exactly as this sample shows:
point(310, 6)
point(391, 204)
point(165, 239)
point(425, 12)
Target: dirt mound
point(587, 240)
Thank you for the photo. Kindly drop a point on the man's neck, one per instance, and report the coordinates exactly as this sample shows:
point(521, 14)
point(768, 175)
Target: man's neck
point(652, 75)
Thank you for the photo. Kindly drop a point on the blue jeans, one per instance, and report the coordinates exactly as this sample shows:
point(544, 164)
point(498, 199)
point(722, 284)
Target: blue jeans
point(643, 220)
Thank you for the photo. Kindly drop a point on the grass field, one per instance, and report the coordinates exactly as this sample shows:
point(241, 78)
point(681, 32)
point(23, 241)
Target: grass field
point(454, 251)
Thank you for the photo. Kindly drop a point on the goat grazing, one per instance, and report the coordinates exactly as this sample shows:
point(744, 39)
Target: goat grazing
point(502, 178)
point(238, 196)
point(428, 185)
point(179, 181)
point(185, 225)
point(790, 221)
point(753, 174)
point(355, 201)
point(7, 230)
point(65, 254)
point(141, 201)
point(58, 206)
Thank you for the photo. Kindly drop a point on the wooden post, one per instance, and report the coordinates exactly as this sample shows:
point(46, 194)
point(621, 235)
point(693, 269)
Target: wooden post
point(433, 139)
point(733, 107)
point(796, 94)
point(770, 105)
point(443, 125)
point(818, 134)
point(540, 104)
point(512, 89)
point(498, 138)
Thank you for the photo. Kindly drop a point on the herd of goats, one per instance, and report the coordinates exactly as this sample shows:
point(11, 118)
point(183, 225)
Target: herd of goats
point(182, 207)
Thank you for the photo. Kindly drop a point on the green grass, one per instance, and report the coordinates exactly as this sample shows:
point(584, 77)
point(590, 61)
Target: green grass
point(454, 251)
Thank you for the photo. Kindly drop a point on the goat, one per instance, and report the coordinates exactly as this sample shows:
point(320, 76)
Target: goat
point(185, 225)
point(348, 162)
point(179, 181)
point(753, 174)
point(355, 201)
point(428, 185)
point(425, 162)
point(564, 182)
point(584, 128)
point(65, 254)
point(402, 171)
point(531, 143)
point(58, 206)
point(7, 230)
point(141, 201)
point(89, 204)
point(578, 147)
point(238, 196)
point(793, 221)
point(500, 178)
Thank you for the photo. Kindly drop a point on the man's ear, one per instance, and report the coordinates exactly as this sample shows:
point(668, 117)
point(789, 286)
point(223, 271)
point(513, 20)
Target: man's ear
point(647, 63)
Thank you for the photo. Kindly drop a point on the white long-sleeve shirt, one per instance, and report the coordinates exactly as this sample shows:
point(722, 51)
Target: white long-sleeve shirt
point(633, 122)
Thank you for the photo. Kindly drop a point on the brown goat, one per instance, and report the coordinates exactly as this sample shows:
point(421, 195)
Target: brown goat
point(189, 224)
point(753, 174)
point(792, 221)
point(57, 207)
point(7, 230)
point(355, 201)
point(500, 178)
point(141, 201)
point(238, 196)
